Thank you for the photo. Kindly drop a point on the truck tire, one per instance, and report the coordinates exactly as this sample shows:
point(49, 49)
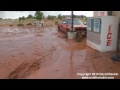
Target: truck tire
point(58, 29)
point(79, 37)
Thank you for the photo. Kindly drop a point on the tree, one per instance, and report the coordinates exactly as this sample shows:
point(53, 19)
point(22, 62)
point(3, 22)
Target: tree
point(23, 18)
point(74, 16)
point(85, 17)
point(20, 19)
point(51, 17)
point(0, 18)
point(63, 17)
point(48, 17)
point(82, 16)
point(39, 15)
point(29, 16)
point(59, 16)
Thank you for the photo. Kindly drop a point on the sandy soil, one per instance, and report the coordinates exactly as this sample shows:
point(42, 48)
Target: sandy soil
point(26, 53)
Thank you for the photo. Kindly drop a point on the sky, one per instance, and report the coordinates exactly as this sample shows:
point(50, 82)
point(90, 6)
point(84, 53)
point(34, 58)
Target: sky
point(17, 14)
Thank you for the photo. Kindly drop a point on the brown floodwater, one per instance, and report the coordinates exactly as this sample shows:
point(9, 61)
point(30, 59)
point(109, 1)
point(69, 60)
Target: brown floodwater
point(45, 53)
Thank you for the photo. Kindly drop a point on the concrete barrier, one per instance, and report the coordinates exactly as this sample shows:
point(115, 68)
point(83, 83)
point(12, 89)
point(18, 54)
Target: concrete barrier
point(71, 35)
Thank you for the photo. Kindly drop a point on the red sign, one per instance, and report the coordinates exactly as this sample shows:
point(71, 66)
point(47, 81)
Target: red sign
point(102, 13)
point(109, 36)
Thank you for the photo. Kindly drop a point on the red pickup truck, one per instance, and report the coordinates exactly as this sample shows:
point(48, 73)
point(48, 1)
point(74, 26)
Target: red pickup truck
point(78, 25)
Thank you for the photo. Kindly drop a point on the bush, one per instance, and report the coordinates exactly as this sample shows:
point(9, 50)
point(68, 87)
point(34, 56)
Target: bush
point(11, 25)
point(29, 24)
point(20, 24)
point(56, 22)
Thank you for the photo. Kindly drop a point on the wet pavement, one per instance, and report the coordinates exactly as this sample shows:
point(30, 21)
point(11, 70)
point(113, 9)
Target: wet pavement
point(47, 54)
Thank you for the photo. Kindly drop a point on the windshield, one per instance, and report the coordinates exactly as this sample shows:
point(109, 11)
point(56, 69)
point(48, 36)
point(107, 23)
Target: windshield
point(75, 22)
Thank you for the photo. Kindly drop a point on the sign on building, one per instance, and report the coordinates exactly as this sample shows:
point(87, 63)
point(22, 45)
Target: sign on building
point(102, 13)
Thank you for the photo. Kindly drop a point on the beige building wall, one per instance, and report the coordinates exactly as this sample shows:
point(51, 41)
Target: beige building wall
point(115, 13)
point(95, 14)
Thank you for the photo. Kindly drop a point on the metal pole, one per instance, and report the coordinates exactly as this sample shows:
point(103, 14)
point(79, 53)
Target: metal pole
point(72, 19)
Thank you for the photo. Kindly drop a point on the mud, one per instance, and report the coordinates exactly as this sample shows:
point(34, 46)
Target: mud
point(24, 70)
point(45, 53)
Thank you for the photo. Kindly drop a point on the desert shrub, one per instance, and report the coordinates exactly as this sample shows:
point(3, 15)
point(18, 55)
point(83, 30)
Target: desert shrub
point(20, 24)
point(56, 22)
point(10, 25)
point(29, 24)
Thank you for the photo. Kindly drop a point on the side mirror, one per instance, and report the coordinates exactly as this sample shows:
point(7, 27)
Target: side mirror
point(64, 22)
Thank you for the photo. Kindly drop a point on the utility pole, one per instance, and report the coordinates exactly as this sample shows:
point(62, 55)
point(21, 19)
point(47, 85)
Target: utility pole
point(72, 19)
point(71, 34)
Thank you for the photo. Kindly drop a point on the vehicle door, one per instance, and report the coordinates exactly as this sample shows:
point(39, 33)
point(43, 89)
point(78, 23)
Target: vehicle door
point(64, 25)
point(61, 26)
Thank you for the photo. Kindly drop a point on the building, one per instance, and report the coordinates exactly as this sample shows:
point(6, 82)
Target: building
point(114, 13)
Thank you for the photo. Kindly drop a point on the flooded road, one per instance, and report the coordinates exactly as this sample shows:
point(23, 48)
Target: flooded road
point(47, 54)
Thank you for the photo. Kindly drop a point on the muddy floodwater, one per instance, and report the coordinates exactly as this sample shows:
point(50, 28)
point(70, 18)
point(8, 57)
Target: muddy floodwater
point(45, 53)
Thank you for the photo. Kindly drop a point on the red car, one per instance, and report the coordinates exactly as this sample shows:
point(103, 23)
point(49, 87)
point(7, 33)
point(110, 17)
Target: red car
point(78, 25)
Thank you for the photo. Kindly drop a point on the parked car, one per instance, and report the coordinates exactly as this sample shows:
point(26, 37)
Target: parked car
point(78, 25)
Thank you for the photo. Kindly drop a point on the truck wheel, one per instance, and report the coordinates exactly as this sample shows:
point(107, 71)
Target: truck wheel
point(79, 37)
point(58, 29)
